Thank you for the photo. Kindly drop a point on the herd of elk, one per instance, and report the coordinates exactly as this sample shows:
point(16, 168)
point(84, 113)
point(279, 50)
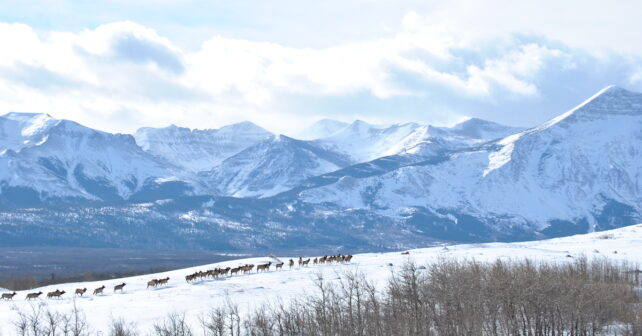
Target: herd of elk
point(200, 275)
point(219, 272)
point(214, 273)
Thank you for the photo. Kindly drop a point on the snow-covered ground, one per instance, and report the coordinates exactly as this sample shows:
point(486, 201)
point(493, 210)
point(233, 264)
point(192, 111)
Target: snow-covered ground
point(146, 306)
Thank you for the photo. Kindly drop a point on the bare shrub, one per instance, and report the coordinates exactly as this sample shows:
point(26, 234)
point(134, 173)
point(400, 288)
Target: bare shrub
point(453, 297)
point(222, 321)
point(40, 321)
point(173, 325)
point(120, 327)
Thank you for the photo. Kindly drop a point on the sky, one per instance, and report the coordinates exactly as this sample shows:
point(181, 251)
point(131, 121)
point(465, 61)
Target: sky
point(122, 64)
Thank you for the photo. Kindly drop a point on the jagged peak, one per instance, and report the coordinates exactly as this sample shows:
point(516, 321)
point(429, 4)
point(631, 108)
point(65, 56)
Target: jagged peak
point(246, 126)
point(330, 121)
point(609, 101)
point(322, 128)
point(20, 116)
point(475, 122)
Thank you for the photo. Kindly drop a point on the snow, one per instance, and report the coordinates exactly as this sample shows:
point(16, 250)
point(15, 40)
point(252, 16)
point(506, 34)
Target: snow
point(321, 129)
point(146, 307)
point(272, 166)
point(199, 150)
point(53, 157)
point(565, 169)
point(365, 142)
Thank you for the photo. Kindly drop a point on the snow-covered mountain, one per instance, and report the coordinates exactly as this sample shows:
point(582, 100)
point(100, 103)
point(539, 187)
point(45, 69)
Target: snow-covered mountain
point(365, 142)
point(45, 159)
point(199, 150)
point(577, 172)
point(478, 129)
point(321, 129)
point(363, 187)
point(272, 166)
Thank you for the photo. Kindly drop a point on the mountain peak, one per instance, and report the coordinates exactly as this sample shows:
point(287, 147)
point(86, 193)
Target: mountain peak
point(18, 128)
point(473, 122)
point(482, 129)
point(610, 101)
point(245, 126)
point(322, 128)
point(19, 116)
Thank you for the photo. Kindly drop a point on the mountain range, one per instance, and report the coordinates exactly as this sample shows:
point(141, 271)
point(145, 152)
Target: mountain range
point(345, 186)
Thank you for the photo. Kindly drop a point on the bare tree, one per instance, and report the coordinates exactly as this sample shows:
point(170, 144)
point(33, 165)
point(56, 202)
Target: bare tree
point(120, 327)
point(173, 325)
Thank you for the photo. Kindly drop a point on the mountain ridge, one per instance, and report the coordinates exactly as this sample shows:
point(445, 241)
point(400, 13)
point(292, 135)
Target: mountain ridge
point(411, 183)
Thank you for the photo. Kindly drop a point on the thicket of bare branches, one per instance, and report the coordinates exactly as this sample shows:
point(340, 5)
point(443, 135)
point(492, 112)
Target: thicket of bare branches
point(448, 297)
point(173, 325)
point(453, 297)
point(40, 321)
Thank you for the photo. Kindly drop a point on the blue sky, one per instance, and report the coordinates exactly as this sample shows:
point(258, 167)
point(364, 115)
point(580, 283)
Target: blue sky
point(119, 65)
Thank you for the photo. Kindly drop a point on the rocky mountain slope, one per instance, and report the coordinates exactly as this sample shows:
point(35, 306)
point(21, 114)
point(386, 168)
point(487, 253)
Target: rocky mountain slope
point(198, 150)
point(362, 187)
point(44, 159)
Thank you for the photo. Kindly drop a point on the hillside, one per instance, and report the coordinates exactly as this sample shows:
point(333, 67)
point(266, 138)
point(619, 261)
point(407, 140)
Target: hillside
point(146, 306)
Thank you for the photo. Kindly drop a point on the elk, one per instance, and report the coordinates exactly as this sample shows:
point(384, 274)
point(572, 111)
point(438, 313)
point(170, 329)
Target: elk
point(305, 262)
point(99, 290)
point(81, 291)
point(8, 296)
point(119, 287)
point(291, 263)
point(32, 296)
point(161, 282)
point(247, 268)
point(213, 273)
point(315, 261)
point(56, 294)
point(152, 283)
point(300, 261)
point(264, 267)
point(279, 266)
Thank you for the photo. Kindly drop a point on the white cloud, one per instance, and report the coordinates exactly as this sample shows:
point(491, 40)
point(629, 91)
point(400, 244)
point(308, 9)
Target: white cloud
point(123, 75)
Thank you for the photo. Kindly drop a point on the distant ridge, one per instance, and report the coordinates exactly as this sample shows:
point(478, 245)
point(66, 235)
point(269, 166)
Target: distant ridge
point(241, 188)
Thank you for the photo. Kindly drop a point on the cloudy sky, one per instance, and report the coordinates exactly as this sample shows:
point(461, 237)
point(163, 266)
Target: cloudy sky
point(122, 64)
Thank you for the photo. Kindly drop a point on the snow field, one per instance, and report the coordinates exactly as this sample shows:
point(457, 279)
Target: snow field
point(147, 306)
